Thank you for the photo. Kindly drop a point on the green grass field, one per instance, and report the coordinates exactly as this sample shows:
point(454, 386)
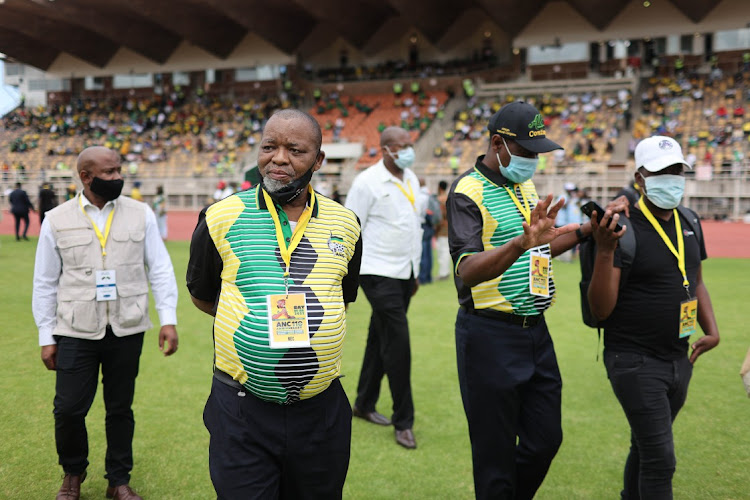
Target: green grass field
point(171, 443)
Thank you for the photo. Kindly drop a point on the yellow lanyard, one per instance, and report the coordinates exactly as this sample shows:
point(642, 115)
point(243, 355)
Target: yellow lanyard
point(409, 195)
point(107, 226)
point(680, 252)
point(286, 248)
point(524, 209)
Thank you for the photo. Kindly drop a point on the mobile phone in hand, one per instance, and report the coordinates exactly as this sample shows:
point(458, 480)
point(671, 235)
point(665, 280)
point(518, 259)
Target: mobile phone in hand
point(592, 206)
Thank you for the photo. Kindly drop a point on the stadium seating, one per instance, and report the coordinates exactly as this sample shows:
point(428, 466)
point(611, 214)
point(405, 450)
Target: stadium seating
point(587, 125)
point(706, 114)
point(362, 118)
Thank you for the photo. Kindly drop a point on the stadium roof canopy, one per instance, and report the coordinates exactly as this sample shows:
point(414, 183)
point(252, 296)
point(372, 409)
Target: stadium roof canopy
point(35, 32)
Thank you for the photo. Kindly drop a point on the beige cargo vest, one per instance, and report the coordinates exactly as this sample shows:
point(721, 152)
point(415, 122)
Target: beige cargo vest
point(78, 312)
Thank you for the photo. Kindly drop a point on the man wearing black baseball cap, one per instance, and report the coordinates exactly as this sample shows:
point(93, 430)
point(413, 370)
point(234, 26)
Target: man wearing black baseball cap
point(499, 232)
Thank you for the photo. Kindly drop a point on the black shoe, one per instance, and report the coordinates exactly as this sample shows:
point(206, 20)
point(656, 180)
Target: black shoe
point(25, 238)
point(406, 439)
point(71, 487)
point(372, 416)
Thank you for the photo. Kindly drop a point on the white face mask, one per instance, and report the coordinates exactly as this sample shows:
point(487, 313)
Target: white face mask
point(519, 169)
point(405, 158)
point(665, 191)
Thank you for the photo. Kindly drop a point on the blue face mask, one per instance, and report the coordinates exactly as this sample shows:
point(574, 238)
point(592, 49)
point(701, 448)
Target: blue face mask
point(405, 157)
point(519, 169)
point(665, 191)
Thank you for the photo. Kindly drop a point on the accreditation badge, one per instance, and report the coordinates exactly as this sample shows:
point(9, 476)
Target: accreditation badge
point(688, 317)
point(287, 321)
point(538, 273)
point(106, 285)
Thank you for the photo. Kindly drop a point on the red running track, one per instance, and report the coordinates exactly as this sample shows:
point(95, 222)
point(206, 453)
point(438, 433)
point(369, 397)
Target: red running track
point(723, 239)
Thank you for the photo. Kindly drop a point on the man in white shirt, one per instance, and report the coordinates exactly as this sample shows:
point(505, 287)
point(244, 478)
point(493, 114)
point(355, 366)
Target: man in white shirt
point(96, 256)
point(385, 197)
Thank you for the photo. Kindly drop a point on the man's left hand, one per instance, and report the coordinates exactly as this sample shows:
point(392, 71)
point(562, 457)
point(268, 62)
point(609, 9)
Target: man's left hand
point(703, 344)
point(168, 335)
point(416, 287)
point(618, 205)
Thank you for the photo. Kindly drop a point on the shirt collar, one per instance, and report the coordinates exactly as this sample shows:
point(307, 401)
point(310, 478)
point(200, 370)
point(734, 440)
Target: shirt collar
point(85, 202)
point(261, 200)
point(383, 175)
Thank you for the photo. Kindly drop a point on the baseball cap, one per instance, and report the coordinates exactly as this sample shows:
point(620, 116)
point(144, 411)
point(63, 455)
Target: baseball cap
point(523, 123)
point(569, 186)
point(658, 152)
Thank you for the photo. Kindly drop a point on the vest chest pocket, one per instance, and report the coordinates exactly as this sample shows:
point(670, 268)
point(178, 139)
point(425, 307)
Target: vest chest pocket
point(77, 309)
point(73, 248)
point(133, 304)
point(131, 243)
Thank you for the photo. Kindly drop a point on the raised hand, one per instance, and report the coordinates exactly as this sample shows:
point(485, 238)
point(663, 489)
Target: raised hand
point(541, 229)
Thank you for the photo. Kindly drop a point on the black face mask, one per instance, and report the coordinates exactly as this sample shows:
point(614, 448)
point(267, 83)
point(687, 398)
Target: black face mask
point(108, 190)
point(289, 192)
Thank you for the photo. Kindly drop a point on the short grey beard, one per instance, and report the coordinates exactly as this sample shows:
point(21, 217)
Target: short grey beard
point(272, 185)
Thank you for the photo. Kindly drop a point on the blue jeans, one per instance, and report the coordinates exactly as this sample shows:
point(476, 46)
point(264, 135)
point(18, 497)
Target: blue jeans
point(651, 391)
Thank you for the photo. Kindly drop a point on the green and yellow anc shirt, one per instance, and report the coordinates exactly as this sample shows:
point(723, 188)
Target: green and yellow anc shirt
point(481, 216)
point(235, 262)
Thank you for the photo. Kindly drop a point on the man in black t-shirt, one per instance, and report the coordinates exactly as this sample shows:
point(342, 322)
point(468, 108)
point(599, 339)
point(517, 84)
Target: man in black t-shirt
point(644, 305)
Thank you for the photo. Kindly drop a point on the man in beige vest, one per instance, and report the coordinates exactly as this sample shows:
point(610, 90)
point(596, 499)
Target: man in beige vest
point(96, 256)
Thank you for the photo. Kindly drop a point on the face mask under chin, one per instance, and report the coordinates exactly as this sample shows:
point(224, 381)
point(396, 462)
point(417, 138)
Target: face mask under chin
point(286, 193)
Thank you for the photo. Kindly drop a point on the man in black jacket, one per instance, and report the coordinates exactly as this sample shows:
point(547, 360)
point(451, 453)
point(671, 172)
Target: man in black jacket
point(47, 201)
point(19, 207)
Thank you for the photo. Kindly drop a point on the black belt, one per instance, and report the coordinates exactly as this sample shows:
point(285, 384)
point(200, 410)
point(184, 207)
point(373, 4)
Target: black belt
point(227, 379)
point(514, 319)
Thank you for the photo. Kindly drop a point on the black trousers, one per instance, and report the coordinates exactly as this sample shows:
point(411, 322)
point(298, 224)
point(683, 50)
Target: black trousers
point(388, 351)
point(78, 363)
point(260, 449)
point(651, 391)
point(511, 390)
point(25, 219)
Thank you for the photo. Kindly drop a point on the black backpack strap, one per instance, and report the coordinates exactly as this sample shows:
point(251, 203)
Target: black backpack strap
point(627, 243)
point(692, 220)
